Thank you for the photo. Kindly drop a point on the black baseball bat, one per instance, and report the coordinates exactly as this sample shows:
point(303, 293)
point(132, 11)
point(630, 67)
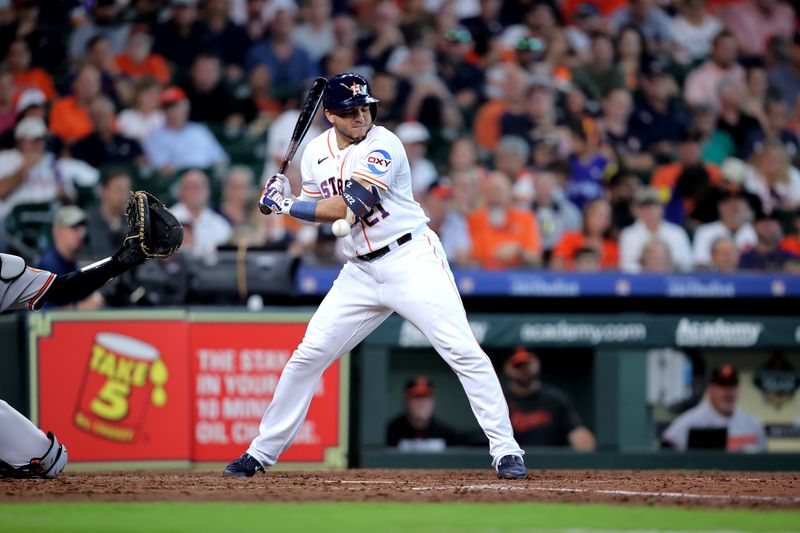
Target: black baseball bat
point(303, 124)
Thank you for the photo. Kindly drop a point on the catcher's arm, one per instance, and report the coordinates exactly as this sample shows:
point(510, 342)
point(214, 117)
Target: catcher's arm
point(152, 232)
point(79, 284)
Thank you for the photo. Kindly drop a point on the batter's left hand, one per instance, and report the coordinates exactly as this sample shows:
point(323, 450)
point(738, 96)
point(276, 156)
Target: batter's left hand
point(273, 200)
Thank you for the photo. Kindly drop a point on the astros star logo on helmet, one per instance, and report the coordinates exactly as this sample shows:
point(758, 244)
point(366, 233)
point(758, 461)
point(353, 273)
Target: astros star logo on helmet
point(357, 88)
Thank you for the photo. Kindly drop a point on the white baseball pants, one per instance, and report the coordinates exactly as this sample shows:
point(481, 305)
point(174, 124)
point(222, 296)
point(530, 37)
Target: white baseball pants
point(20, 439)
point(415, 281)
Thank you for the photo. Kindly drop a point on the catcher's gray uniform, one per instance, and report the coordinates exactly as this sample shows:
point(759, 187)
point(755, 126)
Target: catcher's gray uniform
point(20, 286)
point(153, 232)
point(25, 451)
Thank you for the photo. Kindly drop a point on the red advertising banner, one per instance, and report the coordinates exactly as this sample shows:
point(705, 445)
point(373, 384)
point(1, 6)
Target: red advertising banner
point(113, 389)
point(235, 368)
point(171, 386)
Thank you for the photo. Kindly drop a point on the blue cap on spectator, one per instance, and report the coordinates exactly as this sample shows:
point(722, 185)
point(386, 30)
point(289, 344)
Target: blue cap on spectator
point(655, 67)
point(586, 10)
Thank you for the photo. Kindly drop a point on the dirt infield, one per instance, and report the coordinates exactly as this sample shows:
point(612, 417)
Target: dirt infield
point(685, 488)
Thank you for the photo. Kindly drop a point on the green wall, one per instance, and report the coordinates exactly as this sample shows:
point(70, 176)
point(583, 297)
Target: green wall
point(12, 376)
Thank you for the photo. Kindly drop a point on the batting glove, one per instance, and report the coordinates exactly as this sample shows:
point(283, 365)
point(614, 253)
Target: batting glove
point(280, 182)
point(275, 202)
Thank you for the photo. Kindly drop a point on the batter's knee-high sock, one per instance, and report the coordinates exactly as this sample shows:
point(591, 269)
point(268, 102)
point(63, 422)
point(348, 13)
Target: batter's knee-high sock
point(20, 439)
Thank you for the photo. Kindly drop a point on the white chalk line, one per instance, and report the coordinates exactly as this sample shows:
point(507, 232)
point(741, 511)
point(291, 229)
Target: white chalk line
point(705, 479)
point(574, 490)
point(687, 495)
point(361, 482)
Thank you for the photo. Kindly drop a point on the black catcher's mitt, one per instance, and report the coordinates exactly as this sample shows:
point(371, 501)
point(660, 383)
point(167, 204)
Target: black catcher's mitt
point(158, 231)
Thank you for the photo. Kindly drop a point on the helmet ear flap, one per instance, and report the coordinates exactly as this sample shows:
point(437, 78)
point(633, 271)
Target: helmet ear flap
point(373, 110)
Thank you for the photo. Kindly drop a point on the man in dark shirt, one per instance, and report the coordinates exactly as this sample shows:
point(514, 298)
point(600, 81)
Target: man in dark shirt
point(732, 120)
point(181, 37)
point(657, 119)
point(417, 429)
point(106, 225)
point(211, 100)
point(540, 414)
point(766, 255)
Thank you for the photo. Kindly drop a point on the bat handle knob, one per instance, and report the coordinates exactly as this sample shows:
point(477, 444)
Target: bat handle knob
point(265, 210)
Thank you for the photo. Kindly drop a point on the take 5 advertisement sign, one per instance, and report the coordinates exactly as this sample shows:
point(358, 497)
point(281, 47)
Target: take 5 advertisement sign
point(112, 390)
point(173, 387)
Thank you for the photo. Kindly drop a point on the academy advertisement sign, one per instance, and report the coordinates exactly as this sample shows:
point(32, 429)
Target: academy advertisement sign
point(720, 332)
point(598, 330)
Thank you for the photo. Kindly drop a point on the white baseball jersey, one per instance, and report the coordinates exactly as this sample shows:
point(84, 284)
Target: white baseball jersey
point(379, 159)
point(26, 290)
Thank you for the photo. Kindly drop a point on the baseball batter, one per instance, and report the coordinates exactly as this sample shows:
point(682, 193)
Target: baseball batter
point(359, 171)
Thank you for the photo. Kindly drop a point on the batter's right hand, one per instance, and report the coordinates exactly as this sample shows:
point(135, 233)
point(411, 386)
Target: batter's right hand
point(272, 201)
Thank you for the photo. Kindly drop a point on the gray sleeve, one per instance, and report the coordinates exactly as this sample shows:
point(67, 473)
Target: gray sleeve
point(574, 217)
point(80, 37)
point(26, 290)
point(678, 432)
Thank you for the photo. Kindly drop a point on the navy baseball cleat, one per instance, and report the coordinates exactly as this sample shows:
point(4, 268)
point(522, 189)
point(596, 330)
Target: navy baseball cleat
point(244, 466)
point(511, 467)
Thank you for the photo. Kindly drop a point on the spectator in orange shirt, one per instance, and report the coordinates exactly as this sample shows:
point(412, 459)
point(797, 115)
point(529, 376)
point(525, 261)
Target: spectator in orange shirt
point(791, 243)
point(596, 224)
point(508, 87)
point(138, 59)
point(504, 236)
point(18, 60)
point(687, 181)
point(69, 118)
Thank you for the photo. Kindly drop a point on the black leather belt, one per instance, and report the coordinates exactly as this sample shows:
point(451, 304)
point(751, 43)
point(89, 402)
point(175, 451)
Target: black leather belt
point(380, 252)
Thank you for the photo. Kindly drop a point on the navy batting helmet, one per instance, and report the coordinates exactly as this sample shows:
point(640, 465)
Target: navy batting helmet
point(348, 90)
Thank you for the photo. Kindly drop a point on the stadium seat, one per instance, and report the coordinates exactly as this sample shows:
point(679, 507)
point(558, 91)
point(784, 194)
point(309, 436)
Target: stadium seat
point(28, 227)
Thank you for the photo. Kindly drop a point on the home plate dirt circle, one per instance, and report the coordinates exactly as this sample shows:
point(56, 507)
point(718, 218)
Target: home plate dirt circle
point(673, 488)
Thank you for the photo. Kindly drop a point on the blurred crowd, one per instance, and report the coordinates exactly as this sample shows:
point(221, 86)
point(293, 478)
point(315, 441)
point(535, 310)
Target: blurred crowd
point(642, 136)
